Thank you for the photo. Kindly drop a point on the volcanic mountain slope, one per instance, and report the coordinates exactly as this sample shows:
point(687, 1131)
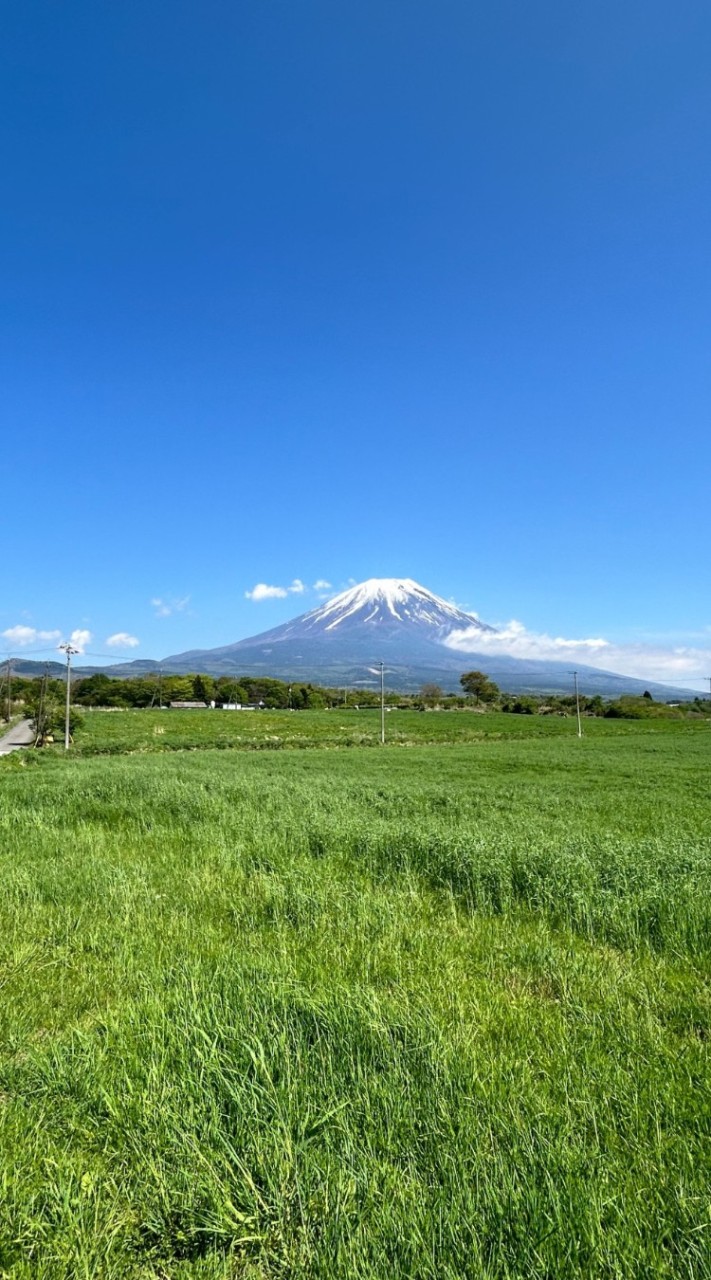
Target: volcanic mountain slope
point(393, 620)
point(398, 622)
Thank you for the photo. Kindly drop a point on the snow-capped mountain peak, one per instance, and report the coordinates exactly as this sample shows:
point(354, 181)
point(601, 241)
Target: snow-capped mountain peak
point(385, 603)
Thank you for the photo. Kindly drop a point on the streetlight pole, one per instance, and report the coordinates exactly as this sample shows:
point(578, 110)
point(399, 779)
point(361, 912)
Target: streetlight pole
point(69, 650)
point(574, 674)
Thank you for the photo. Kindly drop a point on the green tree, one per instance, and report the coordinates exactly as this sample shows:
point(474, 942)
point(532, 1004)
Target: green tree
point(431, 694)
point(177, 689)
point(228, 689)
point(479, 686)
point(46, 705)
point(96, 691)
point(523, 706)
point(273, 693)
point(203, 687)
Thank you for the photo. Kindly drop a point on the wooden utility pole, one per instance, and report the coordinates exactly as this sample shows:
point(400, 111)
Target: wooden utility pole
point(69, 650)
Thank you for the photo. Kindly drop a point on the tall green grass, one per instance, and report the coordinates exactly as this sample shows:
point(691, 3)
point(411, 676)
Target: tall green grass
point(423, 1013)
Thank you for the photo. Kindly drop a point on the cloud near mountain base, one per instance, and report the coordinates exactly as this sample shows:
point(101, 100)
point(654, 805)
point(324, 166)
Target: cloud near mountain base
point(682, 665)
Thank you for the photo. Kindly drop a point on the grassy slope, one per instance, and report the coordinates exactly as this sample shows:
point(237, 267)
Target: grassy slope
point(358, 1013)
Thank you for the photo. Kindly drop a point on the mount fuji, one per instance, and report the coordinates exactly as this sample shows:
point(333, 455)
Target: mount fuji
point(402, 624)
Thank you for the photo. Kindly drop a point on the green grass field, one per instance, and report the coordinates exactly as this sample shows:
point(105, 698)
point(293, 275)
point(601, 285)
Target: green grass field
point(441, 1011)
point(170, 730)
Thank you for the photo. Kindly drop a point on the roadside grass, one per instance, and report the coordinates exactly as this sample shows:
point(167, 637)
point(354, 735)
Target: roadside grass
point(423, 1013)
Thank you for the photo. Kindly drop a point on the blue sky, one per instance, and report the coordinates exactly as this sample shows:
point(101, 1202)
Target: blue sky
point(316, 292)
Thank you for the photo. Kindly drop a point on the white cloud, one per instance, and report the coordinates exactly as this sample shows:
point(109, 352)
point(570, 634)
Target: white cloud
point(513, 638)
point(264, 592)
point(21, 635)
point(80, 638)
point(122, 640)
point(682, 665)
point(164, 608)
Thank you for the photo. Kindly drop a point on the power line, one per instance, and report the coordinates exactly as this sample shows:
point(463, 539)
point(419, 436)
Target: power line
point(47, 649)
point(114, 657)
point(117, 657)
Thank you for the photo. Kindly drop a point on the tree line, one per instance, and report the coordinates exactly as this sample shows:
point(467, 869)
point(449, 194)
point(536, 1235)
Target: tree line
point(43, 698)
point(30, 694)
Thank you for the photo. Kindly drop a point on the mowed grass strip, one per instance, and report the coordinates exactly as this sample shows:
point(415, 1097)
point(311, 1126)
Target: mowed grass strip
point(423, 1013)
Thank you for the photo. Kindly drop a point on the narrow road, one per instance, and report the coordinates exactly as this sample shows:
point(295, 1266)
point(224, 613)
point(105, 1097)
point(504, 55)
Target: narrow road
point(20, 735)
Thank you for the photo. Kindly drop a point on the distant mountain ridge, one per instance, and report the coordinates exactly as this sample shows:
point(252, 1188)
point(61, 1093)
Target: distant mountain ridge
point(401, 623)
point(393, 620)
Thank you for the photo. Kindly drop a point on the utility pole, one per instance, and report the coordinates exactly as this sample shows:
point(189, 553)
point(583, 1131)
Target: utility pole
point(574, 674)
point(40, 718)
point(382, 702)
point(69, 650)
point(9, 690)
